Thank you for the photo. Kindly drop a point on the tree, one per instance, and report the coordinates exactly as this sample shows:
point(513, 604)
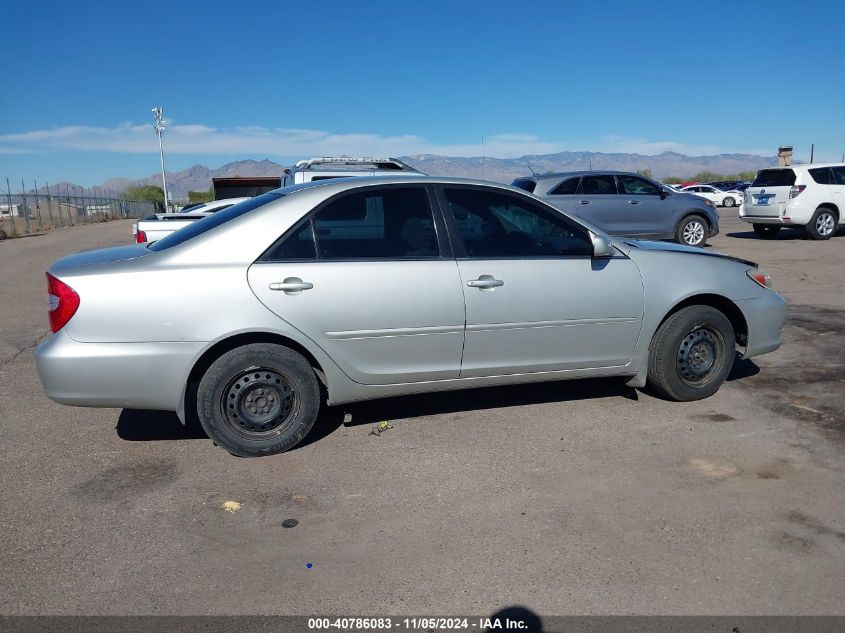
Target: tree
point(201, 196)
point(146, 193)
point(673, 180)
point(645, 172)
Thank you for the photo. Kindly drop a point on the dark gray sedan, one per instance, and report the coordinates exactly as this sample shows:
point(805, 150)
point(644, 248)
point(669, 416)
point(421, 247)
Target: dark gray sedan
point(628, 205)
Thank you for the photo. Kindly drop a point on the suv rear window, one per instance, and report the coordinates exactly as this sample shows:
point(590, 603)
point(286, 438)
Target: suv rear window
point(774, 178)
point(525, 183)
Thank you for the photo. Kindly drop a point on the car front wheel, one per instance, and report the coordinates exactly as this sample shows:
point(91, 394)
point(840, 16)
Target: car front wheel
point(259, 399)
point(691, 354)
point(692, 231)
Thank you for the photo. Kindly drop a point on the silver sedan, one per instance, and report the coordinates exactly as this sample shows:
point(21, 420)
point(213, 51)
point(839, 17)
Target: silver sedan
point(350, 289)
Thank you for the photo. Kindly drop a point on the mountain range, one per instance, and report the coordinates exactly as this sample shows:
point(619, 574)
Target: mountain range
point(198, 177)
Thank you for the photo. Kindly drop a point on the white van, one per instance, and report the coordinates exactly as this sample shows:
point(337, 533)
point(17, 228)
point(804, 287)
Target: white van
point(326, 167)
point(812, 196)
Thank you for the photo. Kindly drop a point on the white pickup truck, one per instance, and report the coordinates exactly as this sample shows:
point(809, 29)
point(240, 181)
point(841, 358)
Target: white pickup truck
point(155, 227)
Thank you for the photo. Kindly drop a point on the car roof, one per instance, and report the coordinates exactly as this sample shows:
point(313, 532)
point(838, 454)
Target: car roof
point(585, 172)
point(341, 184)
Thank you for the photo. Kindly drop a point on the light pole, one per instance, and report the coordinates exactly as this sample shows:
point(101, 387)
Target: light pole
point(159, 128)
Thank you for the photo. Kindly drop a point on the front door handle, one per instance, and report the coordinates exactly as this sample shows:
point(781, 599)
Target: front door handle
point(291, 285)
point(633, 201)
point(584, 201)
point(485, 282)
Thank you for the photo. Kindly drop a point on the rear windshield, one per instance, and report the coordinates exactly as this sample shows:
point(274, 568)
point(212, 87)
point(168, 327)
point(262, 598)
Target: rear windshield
point(525, 183)
point(774, 178)
point(206, 224)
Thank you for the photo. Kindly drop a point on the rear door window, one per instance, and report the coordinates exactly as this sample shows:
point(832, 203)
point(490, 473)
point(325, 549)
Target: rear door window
point(597, 185)
point(389, 223)
point(567, 188)
point(774, 178)
point(838, 175)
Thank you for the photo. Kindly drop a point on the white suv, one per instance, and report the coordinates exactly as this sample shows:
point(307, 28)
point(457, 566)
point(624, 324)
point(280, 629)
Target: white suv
point(812, 196)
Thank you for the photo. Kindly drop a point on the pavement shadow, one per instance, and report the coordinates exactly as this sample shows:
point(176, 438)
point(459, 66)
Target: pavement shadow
point(784, 234)
point(743, 368)
point(517, 618)
point(403, 407)
point(137, 425)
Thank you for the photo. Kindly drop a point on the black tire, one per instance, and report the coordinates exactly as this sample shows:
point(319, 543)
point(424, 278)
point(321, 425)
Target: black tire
point(691, 354)
point(259, 399)
point(823, 224)
point(767, 231)
point(692, 227)
point(729, 202)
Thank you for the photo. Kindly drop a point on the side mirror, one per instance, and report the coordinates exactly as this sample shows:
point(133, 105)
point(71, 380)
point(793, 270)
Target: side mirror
point(601, 246)
point(664, 193)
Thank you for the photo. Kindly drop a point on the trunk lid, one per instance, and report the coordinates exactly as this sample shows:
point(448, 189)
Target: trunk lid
point(769, 193)
point(101, 256)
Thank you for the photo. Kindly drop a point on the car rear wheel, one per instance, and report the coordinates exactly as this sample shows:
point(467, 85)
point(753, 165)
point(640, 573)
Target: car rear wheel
point(823, 224)
point(259, 399)
point(729, 202)
point(691, 354)
point(692, 231)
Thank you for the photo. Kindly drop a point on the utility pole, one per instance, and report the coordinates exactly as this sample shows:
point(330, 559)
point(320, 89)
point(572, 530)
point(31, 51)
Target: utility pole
point(812, 147)
point(482, 158)
point(159, 128)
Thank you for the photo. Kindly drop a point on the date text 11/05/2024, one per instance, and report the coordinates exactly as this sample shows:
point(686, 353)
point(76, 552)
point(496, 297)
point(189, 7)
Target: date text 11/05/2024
point(418, 623)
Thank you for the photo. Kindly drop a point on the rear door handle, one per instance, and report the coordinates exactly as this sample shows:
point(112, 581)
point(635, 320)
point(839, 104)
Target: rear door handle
point(291, 285)
point(584, 201)
point(633, 201)
point(484, 282)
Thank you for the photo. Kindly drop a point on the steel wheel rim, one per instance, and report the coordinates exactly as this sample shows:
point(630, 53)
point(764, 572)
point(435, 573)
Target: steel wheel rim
point(259, 402)
point(824, 224)
point(699, 354)
point(693, 233)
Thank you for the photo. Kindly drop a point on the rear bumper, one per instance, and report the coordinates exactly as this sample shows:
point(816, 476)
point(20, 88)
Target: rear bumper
point(121, 375)
point(763, 219)
point(765, 316)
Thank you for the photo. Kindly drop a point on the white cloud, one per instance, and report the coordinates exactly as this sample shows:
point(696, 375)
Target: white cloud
point(293, 142)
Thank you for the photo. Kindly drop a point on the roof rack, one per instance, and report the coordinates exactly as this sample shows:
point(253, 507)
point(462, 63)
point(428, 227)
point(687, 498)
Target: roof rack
point(378, 163)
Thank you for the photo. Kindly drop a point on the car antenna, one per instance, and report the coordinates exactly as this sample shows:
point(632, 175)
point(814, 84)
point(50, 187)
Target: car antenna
point(533, 173)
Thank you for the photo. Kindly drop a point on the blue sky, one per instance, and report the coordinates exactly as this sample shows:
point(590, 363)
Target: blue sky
point(291, 80)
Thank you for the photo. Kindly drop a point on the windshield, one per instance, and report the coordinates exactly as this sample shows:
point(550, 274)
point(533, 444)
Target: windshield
point(774, 178)
point(212, 221)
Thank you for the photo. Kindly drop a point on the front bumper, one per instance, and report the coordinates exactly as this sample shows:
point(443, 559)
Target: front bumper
point(765, 316)
point(121, 375)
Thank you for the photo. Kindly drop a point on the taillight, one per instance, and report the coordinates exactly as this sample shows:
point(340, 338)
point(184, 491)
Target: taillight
point(759, 277)
point(63, 302)
point(140, 237)
point(795, 191)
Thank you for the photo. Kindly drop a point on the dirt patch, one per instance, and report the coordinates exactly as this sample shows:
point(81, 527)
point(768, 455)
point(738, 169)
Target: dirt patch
point(805, 380)
point(125, 481)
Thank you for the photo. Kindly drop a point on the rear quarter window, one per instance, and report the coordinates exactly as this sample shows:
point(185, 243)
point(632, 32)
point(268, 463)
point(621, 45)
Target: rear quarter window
point(525, 183)
point(774, 178)
point(822, 175)
point(206, 224)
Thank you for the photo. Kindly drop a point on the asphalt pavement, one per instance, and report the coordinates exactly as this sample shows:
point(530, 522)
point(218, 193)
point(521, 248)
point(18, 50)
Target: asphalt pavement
point(582, 497)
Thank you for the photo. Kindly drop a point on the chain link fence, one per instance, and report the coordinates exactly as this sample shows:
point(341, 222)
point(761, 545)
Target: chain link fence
point(43, 207)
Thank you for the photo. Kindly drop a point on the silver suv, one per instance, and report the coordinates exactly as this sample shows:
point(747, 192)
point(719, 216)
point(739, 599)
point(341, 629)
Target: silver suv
point(627, 204)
